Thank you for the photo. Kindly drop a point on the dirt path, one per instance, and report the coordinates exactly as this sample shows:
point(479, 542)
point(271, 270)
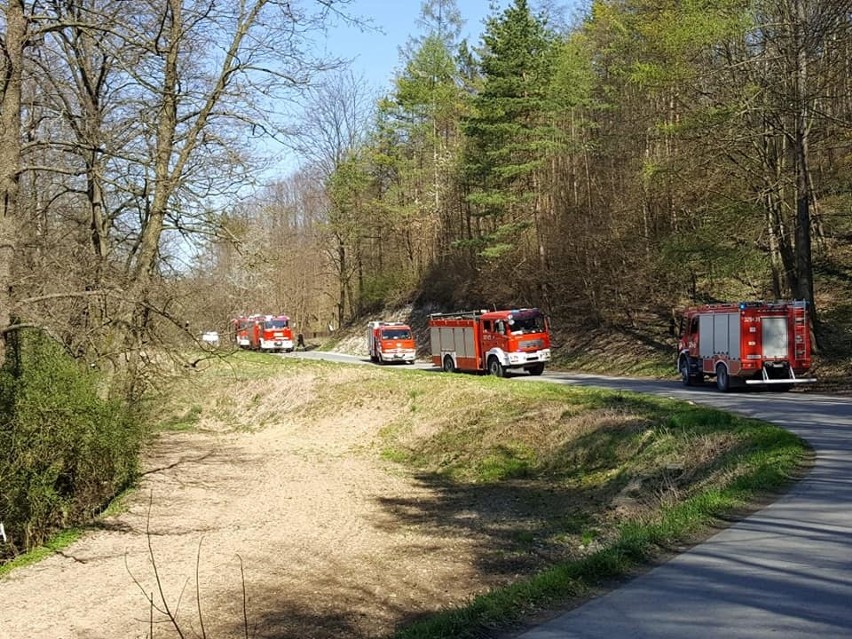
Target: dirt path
point(326, 535)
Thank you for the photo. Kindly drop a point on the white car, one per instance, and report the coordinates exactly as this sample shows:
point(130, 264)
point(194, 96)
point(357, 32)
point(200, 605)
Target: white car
point(210, 337)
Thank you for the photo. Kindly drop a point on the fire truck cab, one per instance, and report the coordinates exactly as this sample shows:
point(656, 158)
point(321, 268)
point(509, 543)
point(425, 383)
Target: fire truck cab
point(755, 343)
point(391, 342)
point(493, 341)
point(272, 333)
point(263, 332)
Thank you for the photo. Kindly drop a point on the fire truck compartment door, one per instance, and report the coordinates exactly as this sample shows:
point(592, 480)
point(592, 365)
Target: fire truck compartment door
point(458, 340)
point(774, 337)
point(719, 334)
point(435, 339)
point(464, 342)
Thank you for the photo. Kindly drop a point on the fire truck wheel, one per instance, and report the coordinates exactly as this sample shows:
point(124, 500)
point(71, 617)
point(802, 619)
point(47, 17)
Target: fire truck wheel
point(685, 377)
point(538, 369)
point(448, 367)
point(723, 380)
point(495, 367)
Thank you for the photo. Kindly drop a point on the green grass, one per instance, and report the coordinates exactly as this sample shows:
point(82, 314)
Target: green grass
point(659, 365)
point(184, 422)
point(562, 453)
point(53, 545)
point(635, 544)
point(764, 462)
point(471, 435)
point(242, 365)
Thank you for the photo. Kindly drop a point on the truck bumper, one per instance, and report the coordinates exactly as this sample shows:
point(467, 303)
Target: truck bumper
point(397, 357)
point(781, 375)
point(274, 345)
point(520, 360)
point(796, 380)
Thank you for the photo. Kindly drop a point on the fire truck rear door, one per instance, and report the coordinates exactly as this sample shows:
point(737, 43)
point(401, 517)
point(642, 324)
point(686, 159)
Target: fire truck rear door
point(774, 337)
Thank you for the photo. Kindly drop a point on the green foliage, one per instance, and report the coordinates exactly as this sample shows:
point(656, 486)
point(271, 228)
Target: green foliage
point(380, 289)
point(573, 78)
point(649, 149)
point(64, 451)
point(763, 458)
point(510, 130)
point(722, 256)
point(496, 251)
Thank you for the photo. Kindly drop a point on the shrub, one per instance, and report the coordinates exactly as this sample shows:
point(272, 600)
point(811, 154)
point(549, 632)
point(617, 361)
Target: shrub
point(64, 451)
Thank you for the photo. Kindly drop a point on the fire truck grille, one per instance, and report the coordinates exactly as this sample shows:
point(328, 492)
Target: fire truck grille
point(532, 345)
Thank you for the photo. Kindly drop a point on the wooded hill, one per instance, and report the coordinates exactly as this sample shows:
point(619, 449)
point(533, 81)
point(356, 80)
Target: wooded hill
point(650, 156)
point(646, 156)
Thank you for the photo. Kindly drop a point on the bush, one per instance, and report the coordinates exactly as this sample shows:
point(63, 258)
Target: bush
point(64, 451)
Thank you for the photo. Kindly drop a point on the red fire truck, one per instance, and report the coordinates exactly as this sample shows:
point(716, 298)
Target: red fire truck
point(263, 332)
point(493, 341)
point(391, 342)
point(241, 329)
point(272, 333)
point(758, 343)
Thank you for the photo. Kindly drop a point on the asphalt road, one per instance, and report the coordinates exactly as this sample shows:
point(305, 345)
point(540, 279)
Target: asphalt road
point(784, 572)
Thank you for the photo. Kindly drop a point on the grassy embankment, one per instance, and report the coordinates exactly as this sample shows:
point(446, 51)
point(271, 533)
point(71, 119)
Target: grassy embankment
point(599, 482)
point(575, 486)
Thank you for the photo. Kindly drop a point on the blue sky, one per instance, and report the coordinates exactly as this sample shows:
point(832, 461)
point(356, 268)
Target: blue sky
point(376, 54)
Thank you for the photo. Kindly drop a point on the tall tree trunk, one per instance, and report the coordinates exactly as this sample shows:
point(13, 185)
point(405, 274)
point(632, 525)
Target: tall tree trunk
point(804, 262)
point(11, 68)
point(804, 265)
point(341, 282)
point(776, 253)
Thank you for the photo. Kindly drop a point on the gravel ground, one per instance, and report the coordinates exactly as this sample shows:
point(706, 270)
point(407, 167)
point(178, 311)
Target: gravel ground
point(325, 540)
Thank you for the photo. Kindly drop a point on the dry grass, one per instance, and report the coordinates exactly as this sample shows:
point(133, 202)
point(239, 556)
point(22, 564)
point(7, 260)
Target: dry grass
point(527, 475)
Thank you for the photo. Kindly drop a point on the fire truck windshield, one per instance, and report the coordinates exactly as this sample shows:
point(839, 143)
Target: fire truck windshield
point(527, 323)
point(396, 333)
point(276, 323)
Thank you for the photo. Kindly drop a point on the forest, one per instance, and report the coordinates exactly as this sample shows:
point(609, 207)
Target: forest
point(644, 156)
point(650, 156)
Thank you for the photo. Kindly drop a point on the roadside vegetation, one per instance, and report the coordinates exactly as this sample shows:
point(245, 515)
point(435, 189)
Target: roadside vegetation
point(65, 451)
point(570, 487)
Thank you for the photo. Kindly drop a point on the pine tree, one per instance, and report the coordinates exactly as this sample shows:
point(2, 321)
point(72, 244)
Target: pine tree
point(509, 137)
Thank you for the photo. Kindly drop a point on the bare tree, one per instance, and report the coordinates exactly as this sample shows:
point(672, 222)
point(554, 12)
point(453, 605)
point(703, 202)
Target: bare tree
point(11, 77)
point(154, 107)
point(337, 119)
